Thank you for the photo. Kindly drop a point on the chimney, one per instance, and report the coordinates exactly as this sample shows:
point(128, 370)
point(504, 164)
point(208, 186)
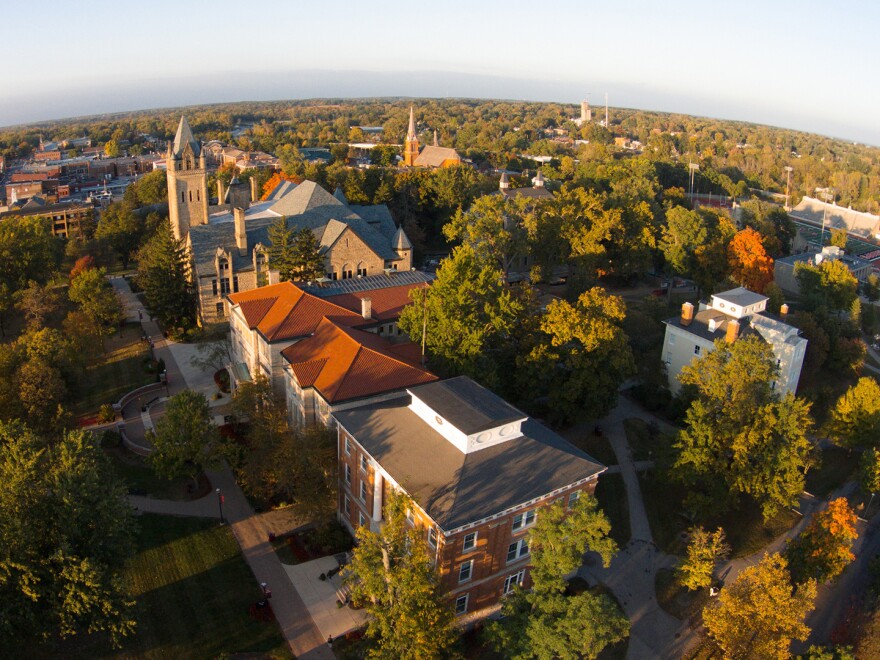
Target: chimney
point(504, 184)
point(539, 180)
point(783, 309)
point(254, 192)
point(221, 193)
point(366, 308)
point(687, 313)
point(240, 233)
point(732, 331)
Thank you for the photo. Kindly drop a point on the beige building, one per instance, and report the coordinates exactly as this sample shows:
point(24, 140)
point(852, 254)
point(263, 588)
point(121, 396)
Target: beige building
point(229, 243)
point(729, 316)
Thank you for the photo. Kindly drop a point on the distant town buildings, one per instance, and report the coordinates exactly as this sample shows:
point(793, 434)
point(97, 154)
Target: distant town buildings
point(731, 315)
point(431, 156)
point(68, 219)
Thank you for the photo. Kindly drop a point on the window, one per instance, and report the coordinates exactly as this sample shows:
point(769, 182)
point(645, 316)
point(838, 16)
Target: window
point(512, 581)
point(347, 447)
point(362, 272)
point(470, 542)
point(465, 571)
point(347, 505)
point(410, 517)
point(219, 309)
point(432, 537)
point(573, 497)
point(214, 287)
point(517, 550)
point(183, 196)
point(523, 520)
point(363, 491)
point(235, 283)
point(361, 520)
point(363, 463)
point(224, 285)
point(696, 350)
point(461, 604)
point(347, 473)
point(672, 340)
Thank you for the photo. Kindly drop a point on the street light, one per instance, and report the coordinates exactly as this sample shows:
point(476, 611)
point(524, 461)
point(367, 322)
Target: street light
point(788, 170)
point(220, 504)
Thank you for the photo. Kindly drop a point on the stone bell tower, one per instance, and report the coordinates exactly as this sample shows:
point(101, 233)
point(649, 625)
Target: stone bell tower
point(411, 146)
point(187, 182)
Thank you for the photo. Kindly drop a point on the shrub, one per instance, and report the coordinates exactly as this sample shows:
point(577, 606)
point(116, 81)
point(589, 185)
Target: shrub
point(106, 413)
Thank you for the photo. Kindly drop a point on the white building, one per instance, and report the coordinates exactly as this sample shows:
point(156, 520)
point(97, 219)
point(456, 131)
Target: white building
point(729, 316)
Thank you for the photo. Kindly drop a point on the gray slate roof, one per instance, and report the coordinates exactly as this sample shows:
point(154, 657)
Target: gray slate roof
point(306, 205)
point(369, 283)
point(454, 488)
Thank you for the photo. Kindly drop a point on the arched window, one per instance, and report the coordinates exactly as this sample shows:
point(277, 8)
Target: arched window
point(362, 269)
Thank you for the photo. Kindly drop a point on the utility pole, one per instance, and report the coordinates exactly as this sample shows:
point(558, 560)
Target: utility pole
point(788, 171)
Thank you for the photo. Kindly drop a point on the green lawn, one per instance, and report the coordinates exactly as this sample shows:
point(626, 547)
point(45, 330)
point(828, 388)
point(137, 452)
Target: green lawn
point(142, 480)
point(677, 600)
point(611, 493)
point(596, 446)
point(193, 591)
point(837, 466)
point(746, 530)
point(113, 373)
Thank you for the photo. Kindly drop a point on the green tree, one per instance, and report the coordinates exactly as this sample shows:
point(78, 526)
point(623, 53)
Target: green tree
point(391, 575)
point(162, 274)
point(37, 302)
point(28, 252)
point(704, 550)
point(869, 471)
point(838, 238)
point(65, 530)
point(545, 622)
point(96, 298)
point(683, 234)
point(855, 418)
point(111, 149)
point(579, 359)
point(739, 438)
point(123, 230)
point(185, 438)
point(760, 613)
point(824, 548)
point(830, 285)
point(282, 249)
point(872, 288)
point(308, 262)
point(474, 323)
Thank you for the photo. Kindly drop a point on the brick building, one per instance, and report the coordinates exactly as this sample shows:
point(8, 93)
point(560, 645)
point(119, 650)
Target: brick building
point(229, 242)
point(266, 320)
point(478, 470)
point(68, 219)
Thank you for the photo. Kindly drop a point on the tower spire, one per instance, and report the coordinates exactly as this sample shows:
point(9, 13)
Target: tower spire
point(411, 131)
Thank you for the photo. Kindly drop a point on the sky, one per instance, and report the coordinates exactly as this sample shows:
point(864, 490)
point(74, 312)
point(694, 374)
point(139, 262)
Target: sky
point(806, 65)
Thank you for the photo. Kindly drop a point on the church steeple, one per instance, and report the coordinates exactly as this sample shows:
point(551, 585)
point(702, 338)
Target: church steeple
point(411, 146)
point(187, 182)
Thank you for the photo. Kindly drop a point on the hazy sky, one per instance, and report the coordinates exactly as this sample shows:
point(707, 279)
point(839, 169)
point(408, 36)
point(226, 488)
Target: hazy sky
point(807, 65)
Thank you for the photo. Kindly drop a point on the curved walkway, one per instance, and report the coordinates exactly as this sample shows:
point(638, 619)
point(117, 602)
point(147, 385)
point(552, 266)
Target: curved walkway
point(250, 530)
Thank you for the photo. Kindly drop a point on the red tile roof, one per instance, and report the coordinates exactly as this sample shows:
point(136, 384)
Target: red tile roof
point(343, 363)
point(387, 303)
point(284, 311)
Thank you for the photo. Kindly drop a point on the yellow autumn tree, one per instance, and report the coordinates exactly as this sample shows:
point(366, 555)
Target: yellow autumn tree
point(750, 265)
point(760, 614)
point(824, 548)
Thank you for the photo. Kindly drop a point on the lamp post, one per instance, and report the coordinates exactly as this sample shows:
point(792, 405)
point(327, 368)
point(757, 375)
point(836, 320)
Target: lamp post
point(220, 505)
point(693, 167)
point(788, 170)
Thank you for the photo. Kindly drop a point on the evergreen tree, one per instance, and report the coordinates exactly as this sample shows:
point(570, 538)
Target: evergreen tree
point(282, 250)
point(308, 263)
point(162, 274)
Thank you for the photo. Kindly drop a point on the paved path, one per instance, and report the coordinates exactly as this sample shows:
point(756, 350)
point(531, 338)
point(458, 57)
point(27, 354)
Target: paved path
point(251, 531)
point(654, 632)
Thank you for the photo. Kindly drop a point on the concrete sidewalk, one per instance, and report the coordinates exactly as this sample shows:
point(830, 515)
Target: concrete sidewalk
point(320, 598)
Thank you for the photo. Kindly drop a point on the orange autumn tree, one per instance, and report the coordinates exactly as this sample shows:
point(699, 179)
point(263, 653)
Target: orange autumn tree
point(749, 263)
point(273, 182)
point(824, 548)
